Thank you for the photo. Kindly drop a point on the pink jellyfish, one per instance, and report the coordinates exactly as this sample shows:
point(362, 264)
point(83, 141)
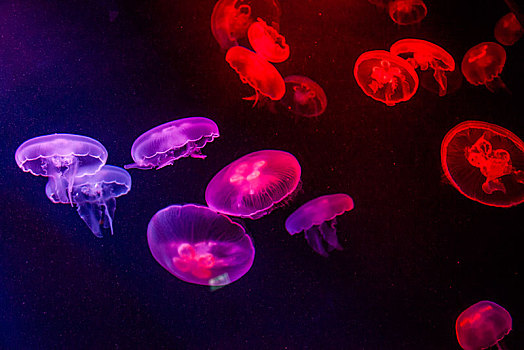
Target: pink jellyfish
point(508, 30)
point(254, 184)
point(485, 162)
point(199, 246)
point(304, 97)
point(482, 325)
point(267, 42)
point(385, 77)
point(406, 12)
point(482, 65)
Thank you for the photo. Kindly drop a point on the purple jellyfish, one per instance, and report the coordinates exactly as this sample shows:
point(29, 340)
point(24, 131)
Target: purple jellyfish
point(162, 145)
point(317, 219)
point(199, 245)
point(252, 185)
point(95, 196)
point(61, 157)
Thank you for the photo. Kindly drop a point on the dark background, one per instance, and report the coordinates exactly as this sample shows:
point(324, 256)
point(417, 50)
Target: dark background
point(416, 252)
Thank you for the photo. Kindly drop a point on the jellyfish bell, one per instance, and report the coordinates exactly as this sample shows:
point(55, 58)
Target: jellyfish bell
point(267, 42)
point(385, 77)
point(508, 30)
point(482, 65)
point(304, 97)
point(162, 145)
point(253, 185)
point(406, 12)
point(199, 245)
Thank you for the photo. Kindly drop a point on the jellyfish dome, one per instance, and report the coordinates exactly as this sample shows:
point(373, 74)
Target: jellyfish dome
point(164, 144)
point(508, 30)
point(254, 184)
point(304, 97)
point(317, 218)
point(405, 12)
point(198, 245)
point(482, 325)
point(485, 163)
point(385, 77)
point(267, 42)
point(482, 65)
point(61, 157)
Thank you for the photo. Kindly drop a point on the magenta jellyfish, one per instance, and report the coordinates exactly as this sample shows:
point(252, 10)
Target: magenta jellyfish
point(482, 325)
point(482, 65)
point(267, 42)
point(405, 12)
point(254, 184)
point(508, 30)
point(61, 158)
point(304, 97)
point(317, 218)
point(162, 145)
point(199, 246)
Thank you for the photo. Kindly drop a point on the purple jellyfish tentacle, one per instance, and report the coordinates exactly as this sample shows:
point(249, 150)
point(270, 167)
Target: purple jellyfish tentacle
point(197, 153)
point(72, 169)
point(329, 232)
point(109, 211)
point(314, 240)
point(91, 214)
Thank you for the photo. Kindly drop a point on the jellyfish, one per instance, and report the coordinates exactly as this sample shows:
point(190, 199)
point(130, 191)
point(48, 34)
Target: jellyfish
point(267, 42)
point(423, 54)
point(317, 218)
point(162, 145)
point(508, 30)
point(406, 12)
point(253, 185)
point(200, 246)
point(254, 70)
point(482, 325)
point(304, 97)
point(61, 158)
point(385, 77)
point(482, 65)
point(485, 163)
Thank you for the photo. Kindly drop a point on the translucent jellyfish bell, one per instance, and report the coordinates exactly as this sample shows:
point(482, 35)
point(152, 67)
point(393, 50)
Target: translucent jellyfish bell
point(61, 157)
point(304, 97)
point(317, 218)
point(482, 65)
point(405, 12)
point(267, 42)
point(198, 245)
point(508, 30)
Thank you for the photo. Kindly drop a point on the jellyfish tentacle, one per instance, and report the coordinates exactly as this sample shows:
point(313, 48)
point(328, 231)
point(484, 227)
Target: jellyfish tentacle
point(91, 215)
point(109, 208)
point(314, 239)
point(329, 233)
point(442, 81)
point(70, 177)
point(497, 84)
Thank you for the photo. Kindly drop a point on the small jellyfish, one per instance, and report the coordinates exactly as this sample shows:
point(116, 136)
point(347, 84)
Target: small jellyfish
point(304, 97)
point(200, 246)
point(423, 54)
point(317, 218)
point(482, 65)
point(485, 162)
point(162, 145)
point(254, 184)
point(254, 70)
point(405, 12)
point(61, 158)
point(267, 42)
point(385, 77)
point(482, 325)
point(508, 30)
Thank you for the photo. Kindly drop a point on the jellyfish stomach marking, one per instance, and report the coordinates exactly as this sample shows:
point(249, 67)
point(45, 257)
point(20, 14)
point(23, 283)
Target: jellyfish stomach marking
point(387, 78)
point(196, 260)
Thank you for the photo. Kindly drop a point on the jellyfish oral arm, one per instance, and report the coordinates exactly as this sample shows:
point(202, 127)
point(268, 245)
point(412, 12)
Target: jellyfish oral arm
point(62, 167)
point(325, 232)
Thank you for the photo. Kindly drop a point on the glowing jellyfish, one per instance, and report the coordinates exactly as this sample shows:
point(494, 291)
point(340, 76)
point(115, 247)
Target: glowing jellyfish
point(482, 325)
point(254, 184)
point(162, 145)
point(385, 77)
point(231, 19)
point(482, 65)
point(485, 162)
point(424, 55)
point(304, 97)
point(61, 157)
point(267, 42)
point(406, 12)
point(199, 245)
point(254, 70)
point(508, 30)
point(317, 218)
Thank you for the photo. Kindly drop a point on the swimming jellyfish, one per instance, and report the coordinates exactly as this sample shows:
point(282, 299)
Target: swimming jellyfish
point(508, 30)
point(317, 218)
point(482, 65)
point(61, 158)
point(199, 246)
point(482, 325)
point(162, 145)
point(406, 12)
point(485, 162)
point(385, 77)
point(304, 97)
point(254, 184)
point(267, 42)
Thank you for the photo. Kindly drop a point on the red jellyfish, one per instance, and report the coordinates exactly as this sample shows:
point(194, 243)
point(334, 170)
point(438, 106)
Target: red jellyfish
point(267, 42)
point(423, 54)
point(304, 97)
point(406, 12)
point(385, 77)
point(200, 246)
point(482, 65)
point(254, 184)
point(508, 30)
point(485, 162)
point(482, 325)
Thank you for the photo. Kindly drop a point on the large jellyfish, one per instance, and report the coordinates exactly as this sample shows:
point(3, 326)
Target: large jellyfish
point(267, 42)
point(254, 184)
point(406, 12)
point(508, 30)
point(485, 162)
point(61, 158)
point(162, 145)
point(482, 65)
point(317, 218)
point(304, 97)
point(199, 245)
point(482, 325)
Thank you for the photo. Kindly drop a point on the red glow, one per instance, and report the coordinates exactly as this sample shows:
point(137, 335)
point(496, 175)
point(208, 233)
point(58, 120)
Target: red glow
point(189, 260)
point(267, 42)
point(508, 30)
point(483, 63)
point(406, 12)
point(304, 97)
